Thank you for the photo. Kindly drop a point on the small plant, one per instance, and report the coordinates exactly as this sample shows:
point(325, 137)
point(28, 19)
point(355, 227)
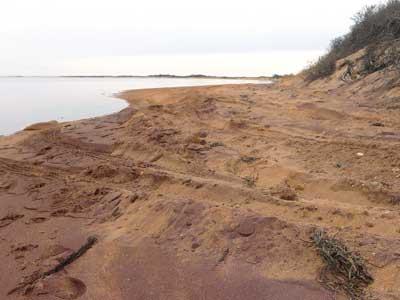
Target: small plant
point(248, 159)
point(250, 180)
point(217, 144)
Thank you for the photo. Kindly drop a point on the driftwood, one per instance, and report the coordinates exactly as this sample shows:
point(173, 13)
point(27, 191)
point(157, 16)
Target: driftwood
point(348, 75)
point(344, 270)
point(67, 261)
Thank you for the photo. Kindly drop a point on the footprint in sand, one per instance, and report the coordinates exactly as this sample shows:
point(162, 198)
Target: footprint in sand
point(38, 220)
point(9, 219)
point(61, 287)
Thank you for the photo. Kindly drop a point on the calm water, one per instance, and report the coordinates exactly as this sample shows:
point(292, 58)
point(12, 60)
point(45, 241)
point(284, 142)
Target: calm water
point(24, 101)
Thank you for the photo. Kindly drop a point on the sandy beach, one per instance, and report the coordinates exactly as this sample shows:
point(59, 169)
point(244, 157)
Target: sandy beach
point(201, 193)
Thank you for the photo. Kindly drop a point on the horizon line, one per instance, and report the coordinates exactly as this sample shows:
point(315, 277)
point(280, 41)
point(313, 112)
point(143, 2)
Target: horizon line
point(136, 76)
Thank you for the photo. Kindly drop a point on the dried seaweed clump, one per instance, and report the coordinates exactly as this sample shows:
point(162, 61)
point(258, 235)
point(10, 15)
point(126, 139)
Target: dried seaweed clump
point(344, 271)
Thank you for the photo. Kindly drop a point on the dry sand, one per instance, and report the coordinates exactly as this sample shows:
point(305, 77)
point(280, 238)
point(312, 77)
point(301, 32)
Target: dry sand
point(202, 193)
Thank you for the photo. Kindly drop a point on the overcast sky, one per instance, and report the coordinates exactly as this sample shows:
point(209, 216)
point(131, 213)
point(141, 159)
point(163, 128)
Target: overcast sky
point(252, 37)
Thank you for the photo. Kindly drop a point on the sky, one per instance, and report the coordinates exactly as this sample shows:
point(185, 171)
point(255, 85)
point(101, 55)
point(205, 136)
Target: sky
point(212, 37)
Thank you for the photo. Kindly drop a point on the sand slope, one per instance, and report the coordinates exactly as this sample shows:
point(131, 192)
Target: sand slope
point(202, 193)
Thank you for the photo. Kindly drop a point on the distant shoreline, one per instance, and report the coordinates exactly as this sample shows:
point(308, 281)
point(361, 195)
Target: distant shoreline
point(197, 76)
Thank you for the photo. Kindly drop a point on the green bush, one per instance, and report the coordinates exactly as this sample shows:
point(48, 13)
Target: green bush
point(324, 67)
point(373, 25)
